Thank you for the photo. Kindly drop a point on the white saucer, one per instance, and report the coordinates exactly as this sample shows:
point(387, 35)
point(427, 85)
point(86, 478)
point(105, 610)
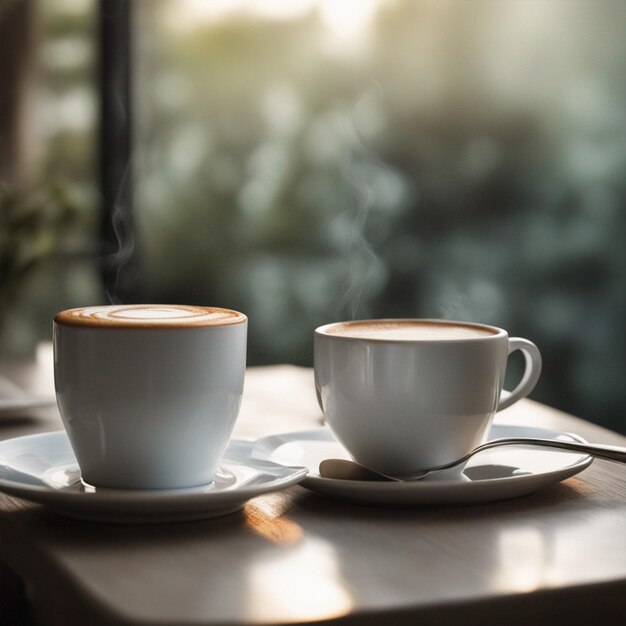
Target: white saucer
point(42, 468)
point(491, 475)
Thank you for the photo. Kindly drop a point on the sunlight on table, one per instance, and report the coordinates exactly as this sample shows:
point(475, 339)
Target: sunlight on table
point(522, 560)
point(530, 558)
point(303, 583)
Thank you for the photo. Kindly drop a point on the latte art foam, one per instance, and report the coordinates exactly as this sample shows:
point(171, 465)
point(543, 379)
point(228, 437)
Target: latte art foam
point(408, 330)
point(149, 316)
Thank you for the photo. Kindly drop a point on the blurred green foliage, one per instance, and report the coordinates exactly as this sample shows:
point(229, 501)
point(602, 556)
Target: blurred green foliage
point(454, 159)
point(31, 230)
point(48, 249)
point(426, 158)
point(38, 230)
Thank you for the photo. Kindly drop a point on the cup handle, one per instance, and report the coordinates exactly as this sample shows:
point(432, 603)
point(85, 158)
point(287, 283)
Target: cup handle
point(532, 357)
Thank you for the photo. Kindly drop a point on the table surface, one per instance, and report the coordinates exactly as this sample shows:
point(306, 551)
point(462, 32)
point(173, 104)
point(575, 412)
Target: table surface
point(557, 556)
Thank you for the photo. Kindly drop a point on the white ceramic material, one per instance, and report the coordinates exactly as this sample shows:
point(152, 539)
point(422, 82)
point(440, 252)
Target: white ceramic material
point(152, 406)
point(401, 406)
point(42, 468)
point(492, 475)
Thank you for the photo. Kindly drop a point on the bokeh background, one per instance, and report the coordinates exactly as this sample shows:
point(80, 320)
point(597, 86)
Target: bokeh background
point(307, 161)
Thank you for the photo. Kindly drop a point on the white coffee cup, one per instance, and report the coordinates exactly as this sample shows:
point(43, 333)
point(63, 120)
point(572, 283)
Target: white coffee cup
point(407, 395)
point(149, 394)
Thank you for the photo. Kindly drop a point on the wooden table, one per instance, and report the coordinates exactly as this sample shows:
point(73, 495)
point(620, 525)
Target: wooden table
point(555, 557)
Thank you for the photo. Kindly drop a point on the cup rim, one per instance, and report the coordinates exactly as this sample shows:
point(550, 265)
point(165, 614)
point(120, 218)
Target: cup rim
point(495, 331)
point(70, 318)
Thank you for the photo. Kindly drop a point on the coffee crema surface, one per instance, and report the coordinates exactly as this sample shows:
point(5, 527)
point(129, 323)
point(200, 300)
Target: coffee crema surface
point(408, 330)
point(149, 316)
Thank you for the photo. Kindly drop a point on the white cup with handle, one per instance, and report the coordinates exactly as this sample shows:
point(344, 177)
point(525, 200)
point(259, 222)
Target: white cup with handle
point(410, 394)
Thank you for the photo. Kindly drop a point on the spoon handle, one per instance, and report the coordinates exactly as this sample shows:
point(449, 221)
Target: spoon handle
point(600, 451)
point(351, 470)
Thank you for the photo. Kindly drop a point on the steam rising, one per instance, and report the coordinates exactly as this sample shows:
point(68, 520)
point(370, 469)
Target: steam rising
point(125, 239)
point(363, 264)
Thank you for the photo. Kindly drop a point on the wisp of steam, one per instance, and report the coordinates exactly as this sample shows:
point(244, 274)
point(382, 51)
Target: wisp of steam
point(125, 238)
point(361, 259)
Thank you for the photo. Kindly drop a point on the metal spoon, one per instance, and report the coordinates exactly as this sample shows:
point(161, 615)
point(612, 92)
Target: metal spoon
point(351, 470)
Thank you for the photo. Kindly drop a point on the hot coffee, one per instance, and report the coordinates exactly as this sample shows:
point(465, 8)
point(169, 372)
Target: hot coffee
point(408, 330)
point(149, 315)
